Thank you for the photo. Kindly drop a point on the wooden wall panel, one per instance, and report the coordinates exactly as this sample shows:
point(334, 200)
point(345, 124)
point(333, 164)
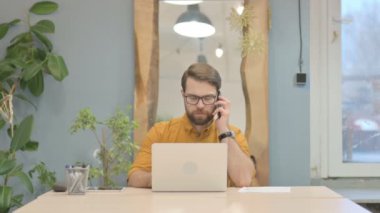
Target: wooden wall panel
point(254, 73)
point(147, 67)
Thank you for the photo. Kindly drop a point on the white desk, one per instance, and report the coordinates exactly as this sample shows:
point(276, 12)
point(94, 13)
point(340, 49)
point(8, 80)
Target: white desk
point(299, 199)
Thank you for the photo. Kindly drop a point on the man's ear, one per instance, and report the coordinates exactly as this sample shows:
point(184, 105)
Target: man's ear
point(182, 92)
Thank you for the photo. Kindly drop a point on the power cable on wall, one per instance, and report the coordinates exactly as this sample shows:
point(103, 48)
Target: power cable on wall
point(300, 76)
point(300, 60)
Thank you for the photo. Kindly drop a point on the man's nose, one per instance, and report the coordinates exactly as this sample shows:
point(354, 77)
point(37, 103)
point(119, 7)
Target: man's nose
point(200, 103)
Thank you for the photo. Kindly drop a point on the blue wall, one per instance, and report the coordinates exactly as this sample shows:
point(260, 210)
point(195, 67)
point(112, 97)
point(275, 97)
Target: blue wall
point(96, 39)
point(288, 104)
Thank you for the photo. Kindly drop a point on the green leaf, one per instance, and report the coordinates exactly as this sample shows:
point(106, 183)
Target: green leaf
point(13, 22)
point(41, 54)
point(57, 67)
point(23, 84)
point(36, 84)
point(25, 180)
point(22, 134)
point(43, 39)
point(5, 198)
point(5, 72)
point(30, 146)
point(6, 165)
point(17, 200)
point(44, 26)
point(15, 170)
point(2, 123)
point(9, 131)
point(3, 154)
point(46, 178)
point(4, 27)
point(32, 70)
point(17, 53)
point(23, 37)
point(19, 63)
point(44, 8)
point(20, 96)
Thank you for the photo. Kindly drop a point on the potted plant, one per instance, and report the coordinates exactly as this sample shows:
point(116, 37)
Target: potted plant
point(116, 146)
point(27, 58)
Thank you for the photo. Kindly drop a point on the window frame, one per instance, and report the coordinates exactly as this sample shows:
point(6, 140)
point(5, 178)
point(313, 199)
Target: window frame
point(325, 97)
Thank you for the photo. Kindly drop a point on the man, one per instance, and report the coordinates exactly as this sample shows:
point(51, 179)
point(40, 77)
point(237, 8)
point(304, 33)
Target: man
point(206, 120)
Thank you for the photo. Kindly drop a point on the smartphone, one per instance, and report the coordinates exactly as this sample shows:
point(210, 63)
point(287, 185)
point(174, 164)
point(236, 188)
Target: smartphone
point(219, 113)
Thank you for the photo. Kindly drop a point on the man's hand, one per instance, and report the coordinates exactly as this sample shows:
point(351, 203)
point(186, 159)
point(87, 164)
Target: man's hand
point(224, 107)
point(140, 179)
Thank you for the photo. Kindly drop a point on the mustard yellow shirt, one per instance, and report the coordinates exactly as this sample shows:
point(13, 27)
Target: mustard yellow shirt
point(179, 130)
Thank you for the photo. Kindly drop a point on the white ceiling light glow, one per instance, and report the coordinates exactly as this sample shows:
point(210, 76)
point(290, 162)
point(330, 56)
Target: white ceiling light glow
point(240, 9)
point(179, 2)
point(219, 51)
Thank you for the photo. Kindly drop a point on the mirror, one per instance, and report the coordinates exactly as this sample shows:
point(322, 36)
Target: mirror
point(177, 52)
point(253, 73)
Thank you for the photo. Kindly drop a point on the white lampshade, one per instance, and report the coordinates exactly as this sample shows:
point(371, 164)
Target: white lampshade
point(193, 23)
point(179, 2)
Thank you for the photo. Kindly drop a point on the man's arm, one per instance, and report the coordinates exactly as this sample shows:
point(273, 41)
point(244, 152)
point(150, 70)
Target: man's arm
point(240, 167)
point(140, 175)
point(141, 179)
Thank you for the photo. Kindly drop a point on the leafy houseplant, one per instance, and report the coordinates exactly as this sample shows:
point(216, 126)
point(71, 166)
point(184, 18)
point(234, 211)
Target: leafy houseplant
point(115, 143)
point(27, 58)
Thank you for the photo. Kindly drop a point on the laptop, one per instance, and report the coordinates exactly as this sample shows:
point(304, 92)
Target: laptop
point(189, 167)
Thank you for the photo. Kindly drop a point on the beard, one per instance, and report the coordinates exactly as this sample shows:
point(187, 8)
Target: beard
point(199, 117)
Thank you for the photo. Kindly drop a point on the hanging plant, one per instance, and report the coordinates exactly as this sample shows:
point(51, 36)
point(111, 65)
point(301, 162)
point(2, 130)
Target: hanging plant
point(251, 40)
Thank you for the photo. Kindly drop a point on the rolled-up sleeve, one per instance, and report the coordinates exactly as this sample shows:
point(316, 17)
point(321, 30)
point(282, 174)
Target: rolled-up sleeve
point(143, 159)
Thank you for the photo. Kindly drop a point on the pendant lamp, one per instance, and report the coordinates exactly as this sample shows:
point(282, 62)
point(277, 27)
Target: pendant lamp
point(193, 23)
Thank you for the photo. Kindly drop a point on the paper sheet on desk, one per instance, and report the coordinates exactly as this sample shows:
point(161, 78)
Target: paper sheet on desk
point(265, 189)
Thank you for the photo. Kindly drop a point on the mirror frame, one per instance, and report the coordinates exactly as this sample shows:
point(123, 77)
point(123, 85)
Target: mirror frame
point(253, 69)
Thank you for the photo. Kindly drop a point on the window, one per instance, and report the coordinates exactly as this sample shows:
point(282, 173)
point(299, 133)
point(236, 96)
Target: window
point(345, 88)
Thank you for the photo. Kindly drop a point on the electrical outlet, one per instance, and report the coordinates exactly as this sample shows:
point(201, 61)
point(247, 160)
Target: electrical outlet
point(301, 78)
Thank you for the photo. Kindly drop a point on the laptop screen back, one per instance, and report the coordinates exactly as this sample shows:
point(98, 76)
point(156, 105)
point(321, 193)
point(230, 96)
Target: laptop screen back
point(189, 167)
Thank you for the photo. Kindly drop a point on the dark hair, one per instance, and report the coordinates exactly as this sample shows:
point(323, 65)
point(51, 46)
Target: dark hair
point(202, 72)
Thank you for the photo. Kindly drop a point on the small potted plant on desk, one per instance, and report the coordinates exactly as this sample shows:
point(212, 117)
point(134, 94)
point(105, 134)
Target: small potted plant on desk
point(116, 146)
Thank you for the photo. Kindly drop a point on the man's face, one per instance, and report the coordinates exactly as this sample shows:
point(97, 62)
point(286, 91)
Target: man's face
point(200, 113)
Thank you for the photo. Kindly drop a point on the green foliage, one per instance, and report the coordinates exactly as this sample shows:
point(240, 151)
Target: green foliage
point(85, 120)
point(5, 198)
point(22, 134)
point(6, 165)
point(28, 57)
point(44, 8)
point(114, 153)
point(46, 177)
point(29, 54)
point(9, 167)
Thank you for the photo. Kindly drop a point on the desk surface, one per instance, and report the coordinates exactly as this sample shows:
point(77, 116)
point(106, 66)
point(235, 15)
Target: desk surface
point(298, 199)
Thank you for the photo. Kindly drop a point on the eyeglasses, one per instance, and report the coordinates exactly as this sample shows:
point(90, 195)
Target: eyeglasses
point(207, 99)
